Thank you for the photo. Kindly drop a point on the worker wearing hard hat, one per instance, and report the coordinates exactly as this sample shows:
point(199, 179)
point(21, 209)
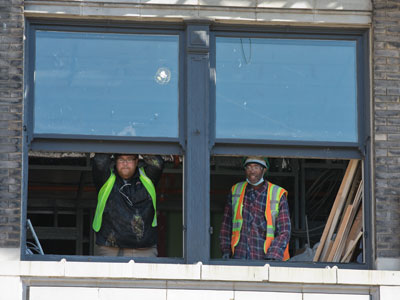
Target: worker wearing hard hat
point(125, 220)
point(256, 223)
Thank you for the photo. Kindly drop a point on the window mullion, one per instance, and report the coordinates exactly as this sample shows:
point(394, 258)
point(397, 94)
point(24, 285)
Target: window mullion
point(197, 158)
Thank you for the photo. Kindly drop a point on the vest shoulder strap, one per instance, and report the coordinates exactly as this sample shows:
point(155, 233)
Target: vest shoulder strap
point(238, 191)
point(148, 184)
point(102, 197)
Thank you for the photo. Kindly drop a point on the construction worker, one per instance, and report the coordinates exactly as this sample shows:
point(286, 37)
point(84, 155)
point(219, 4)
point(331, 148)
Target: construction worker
point(125, 219)
point(256, 222)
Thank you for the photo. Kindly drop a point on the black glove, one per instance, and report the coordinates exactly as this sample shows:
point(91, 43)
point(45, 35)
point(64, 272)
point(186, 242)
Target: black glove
point(225, 256)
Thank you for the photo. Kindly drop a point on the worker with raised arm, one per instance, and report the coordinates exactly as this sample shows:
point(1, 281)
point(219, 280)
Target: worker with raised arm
point(125, 220)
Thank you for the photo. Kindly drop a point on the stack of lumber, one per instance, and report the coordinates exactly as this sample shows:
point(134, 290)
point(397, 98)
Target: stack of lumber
point(344, 227)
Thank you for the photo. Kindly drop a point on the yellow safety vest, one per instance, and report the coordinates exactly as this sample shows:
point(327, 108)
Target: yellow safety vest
point(105, 193)
point(274, 195)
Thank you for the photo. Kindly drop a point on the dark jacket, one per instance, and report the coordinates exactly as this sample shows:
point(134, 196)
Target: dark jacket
point(129, 211)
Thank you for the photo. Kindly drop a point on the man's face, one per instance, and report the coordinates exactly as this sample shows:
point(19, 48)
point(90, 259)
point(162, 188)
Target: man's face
point(254, 172)
point(126, 165)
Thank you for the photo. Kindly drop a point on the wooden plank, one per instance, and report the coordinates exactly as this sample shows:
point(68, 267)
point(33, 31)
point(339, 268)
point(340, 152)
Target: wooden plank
point(342, 242)
point(339, 236)
point(355, 228)
point(352, 245)
point(354, 187)
point(329, 245)
point(336, 209)
point(336, 245)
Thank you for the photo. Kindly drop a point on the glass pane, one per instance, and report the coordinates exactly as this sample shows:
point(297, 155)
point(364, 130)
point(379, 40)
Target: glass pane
point(286, 89)
point(106, 84)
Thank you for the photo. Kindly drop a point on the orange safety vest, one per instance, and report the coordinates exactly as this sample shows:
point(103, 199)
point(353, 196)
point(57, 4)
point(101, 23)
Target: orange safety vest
point(274, 195)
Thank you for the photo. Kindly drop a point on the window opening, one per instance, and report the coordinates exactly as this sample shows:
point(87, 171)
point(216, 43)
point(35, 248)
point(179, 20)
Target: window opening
point(62, 201)
point(313, 186)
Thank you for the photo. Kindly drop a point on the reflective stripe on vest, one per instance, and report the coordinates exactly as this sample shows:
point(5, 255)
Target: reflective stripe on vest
point(238, 191)
point(274, 194)
point(148, 184)
point(105, 193)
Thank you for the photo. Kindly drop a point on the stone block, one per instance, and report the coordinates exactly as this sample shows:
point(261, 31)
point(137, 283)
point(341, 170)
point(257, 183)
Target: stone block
point(393, 121)
point(94, 269)
point(229, 3)
point(9, 244)
point(381, 152)
point(361, 5)
point(389, 292)
point(290, 4)
point(11, 288)
point(253, 295)
point(132, 293)
point(393, 76)
point(380, 137)
point(14, 188)
point(63, 293)
point(393, 91)
point(10, 164)
point(9, 148)
point(368, 277)
point(44, 268)
point(284, 17)
point(195, 294)
point(302, 275)
point(234, 273)
point(393, 29)
point(171, 2)
point(167, 271)
point(9, 133)
point(228, 15)
point(318, 296)
point(387, 53)
point(390, 84)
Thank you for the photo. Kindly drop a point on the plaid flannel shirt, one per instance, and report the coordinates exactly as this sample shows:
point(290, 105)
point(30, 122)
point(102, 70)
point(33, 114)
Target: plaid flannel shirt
point(253, 232)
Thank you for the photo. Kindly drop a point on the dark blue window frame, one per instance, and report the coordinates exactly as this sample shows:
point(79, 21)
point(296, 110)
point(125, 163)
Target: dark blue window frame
point(196, 141)
point(308, 149)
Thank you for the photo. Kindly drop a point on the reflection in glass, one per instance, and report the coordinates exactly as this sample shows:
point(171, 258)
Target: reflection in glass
point(106, 84)
point(286, 89)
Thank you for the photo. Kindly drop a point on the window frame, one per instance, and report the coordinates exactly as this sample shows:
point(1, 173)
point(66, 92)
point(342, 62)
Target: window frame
point(359, 36)
point(87, 143)
point(76, 142)
point(196, 141)
point(308, 149)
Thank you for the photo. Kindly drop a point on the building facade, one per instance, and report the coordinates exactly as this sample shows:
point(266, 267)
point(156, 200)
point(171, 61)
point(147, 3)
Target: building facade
point(193, 39)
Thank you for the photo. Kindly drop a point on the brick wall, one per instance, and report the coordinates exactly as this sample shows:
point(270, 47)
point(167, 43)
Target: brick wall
point(11, 91)
point(386, 64)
